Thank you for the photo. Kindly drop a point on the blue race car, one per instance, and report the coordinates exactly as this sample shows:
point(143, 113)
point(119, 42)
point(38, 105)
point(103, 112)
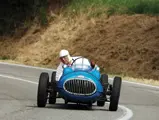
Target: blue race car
point(79, 83)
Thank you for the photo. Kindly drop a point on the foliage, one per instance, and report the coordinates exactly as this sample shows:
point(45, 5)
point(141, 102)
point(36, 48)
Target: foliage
point(13, 13)
point(115, 6)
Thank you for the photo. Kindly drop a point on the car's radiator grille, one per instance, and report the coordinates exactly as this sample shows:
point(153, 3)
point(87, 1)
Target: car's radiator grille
point(80, 87)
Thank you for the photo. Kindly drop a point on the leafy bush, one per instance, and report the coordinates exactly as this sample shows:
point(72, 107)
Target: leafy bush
point(116, 6)
point(13, 13)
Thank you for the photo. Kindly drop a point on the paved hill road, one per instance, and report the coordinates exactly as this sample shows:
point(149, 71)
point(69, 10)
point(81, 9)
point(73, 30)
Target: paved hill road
point(18, 92)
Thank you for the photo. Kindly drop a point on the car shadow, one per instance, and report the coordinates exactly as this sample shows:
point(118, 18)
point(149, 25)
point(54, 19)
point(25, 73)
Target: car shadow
point(72, 106)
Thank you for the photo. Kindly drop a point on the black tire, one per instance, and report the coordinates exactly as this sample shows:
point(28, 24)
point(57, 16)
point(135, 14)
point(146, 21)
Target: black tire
point(43, 90)
point(100, 103)
point(90, 105)
point(53, 93)
point(104, 79)
point(114, 98)
point(104, 82)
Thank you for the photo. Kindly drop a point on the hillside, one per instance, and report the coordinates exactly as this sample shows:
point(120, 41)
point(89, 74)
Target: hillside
point(127, 45)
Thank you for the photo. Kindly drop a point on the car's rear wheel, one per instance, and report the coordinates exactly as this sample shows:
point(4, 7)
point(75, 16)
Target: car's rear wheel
point(53, 93)
point(90, 105)
point(43, 90)
point(104, 79)
point(100, 103)
point(104, 82)
point(115, 94)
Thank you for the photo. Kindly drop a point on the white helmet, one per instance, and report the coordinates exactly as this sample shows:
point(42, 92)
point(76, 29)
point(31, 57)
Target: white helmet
point(63, 53)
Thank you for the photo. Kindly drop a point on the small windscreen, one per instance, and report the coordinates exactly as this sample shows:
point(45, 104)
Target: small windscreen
point(81, 64)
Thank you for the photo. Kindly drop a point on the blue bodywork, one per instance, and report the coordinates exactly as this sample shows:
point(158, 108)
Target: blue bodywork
point(85, 74)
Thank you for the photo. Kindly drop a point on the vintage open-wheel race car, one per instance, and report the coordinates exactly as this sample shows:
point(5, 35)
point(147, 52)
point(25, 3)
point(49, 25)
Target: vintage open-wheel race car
point(79, 84)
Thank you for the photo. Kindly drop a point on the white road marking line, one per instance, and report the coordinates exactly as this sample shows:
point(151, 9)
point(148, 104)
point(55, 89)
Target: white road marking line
point(19, 79)
point(127, 112)
point(26, 66)
point(157, 87)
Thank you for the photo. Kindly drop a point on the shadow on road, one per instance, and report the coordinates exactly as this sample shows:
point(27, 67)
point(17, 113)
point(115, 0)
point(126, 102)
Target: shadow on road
point(72, 107)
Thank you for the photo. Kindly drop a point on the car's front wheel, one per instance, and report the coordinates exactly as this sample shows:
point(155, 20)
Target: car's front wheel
point(43, 90)
point(53, 93)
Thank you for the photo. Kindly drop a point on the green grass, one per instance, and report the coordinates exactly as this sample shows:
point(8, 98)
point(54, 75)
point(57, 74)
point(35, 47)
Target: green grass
point(4, 57)
point(13, 14)
point(98, 7)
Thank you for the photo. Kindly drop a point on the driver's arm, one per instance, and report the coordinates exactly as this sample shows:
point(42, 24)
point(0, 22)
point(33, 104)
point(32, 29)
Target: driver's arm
point(59, 72)
point(92, 64)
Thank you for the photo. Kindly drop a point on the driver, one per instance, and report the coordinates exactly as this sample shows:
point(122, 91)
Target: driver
point(66, 59)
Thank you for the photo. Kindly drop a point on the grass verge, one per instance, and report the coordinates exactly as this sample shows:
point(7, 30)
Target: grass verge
point(98, 7)
point(137, 80)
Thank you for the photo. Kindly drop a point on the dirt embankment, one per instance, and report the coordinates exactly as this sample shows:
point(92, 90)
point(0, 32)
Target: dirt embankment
point(127, 45)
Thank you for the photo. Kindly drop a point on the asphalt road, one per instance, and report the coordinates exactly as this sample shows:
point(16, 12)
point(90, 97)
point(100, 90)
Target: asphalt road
point(18, 95)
